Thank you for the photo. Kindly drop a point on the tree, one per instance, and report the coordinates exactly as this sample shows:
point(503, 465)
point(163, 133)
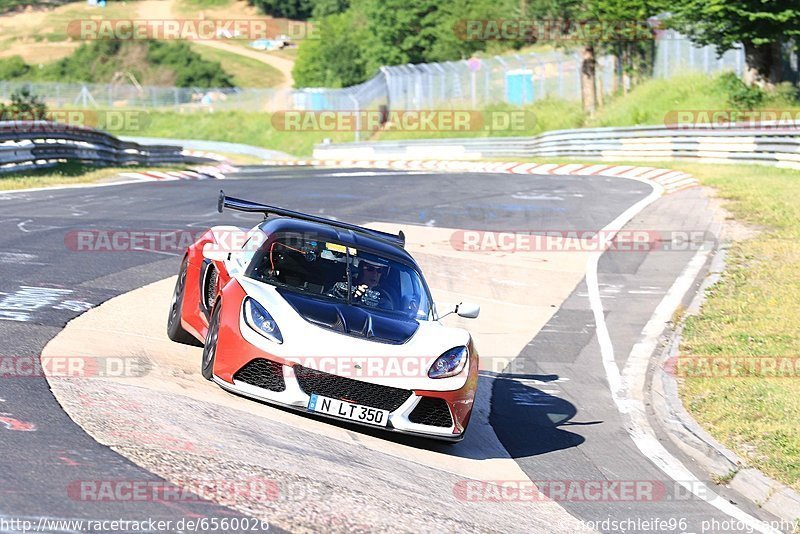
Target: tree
point(760, 25)
point(374, 33)
point(597, 26)
point(563, 14)
point(453, 41)
point(323, 8)
point(290, 9)
point(399, 31)
point(334, 60)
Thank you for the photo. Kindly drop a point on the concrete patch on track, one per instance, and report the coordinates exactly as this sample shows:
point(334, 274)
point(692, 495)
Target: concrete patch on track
point(320, 475)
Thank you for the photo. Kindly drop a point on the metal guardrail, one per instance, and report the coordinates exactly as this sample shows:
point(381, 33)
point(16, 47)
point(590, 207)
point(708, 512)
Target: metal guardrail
point(36, 144)
point(768, 144)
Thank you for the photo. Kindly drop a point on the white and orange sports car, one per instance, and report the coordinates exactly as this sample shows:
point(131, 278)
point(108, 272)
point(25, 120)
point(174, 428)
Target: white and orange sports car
point(325, 317)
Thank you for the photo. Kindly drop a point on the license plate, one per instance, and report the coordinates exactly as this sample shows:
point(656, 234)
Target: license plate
point(348, 410)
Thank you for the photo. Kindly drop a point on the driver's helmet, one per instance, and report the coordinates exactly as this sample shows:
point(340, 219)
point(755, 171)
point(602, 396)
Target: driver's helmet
point(373, 263)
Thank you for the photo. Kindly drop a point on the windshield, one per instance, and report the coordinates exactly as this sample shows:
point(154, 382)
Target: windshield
point(337, 272)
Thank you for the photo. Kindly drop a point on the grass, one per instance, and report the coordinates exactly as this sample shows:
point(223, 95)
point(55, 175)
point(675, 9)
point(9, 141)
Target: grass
point(540, 117)
point(250, 128)
point(753, 311)
point(689, 92)
point(65, 174)
point(246, 72)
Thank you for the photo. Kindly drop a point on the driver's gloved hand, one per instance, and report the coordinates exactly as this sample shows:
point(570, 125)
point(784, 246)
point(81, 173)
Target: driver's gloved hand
point(360, 290)
point(340, 289)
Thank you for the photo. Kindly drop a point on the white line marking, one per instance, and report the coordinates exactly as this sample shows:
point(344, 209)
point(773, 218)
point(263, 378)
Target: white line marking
point(627, 395)
point(62, 187)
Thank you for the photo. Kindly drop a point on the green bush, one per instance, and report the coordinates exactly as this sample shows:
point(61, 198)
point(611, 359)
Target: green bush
point(191, 70)
point(24, 106)
point(740, 95)
point(13, 67)
point(100, 61)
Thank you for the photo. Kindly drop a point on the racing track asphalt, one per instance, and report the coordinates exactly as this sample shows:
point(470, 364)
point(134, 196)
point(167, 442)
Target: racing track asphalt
point(568, 431)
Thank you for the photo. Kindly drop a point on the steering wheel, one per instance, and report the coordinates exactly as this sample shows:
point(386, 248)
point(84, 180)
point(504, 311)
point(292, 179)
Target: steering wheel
point(387, 302)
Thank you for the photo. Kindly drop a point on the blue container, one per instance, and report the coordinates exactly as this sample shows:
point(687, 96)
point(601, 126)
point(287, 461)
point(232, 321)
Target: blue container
point(311, 100)
point(519, 86)
point(318, 101)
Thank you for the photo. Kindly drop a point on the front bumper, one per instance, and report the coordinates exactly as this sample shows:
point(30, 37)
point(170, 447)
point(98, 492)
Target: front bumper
point(295, 398)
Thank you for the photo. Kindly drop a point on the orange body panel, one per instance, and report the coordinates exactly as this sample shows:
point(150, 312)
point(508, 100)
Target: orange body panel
point(193, 318)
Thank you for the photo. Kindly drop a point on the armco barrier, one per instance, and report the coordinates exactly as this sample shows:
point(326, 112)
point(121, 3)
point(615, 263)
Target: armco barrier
point(767, 144)
point(35, 144)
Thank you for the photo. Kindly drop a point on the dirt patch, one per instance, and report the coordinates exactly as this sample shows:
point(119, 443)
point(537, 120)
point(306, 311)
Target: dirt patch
point(732, 229)
point(36, 53)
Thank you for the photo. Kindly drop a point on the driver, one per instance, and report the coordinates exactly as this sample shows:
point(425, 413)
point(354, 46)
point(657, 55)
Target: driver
point(366, 286)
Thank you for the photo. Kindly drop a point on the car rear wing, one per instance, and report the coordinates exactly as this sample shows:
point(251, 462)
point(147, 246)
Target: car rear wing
point(255, 207)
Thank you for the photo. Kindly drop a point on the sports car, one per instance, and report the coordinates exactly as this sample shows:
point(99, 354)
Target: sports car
point(325, 317)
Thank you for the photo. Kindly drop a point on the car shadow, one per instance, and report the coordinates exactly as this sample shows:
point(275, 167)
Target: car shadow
point(509, 418)
point(512, 418)
point(529, 421)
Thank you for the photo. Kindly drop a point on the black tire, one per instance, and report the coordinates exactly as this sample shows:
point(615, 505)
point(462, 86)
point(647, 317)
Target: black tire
point(210, 348)
point(175, 330)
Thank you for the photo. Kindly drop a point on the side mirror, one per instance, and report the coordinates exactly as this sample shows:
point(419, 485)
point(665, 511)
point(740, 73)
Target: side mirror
point(468, 310)
point(211, 252)
point(464, 309)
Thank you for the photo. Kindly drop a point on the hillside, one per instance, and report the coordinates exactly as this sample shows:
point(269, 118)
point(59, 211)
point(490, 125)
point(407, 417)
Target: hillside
point(39, 37)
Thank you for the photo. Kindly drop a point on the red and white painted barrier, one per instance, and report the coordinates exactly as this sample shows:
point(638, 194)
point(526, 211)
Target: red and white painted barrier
point(671, 180)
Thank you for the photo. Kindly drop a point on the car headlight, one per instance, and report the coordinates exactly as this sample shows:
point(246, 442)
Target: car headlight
point(450, 363)
point(261, 321)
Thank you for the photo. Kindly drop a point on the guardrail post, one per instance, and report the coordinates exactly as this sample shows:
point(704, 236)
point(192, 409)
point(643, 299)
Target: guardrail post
point(358, 117)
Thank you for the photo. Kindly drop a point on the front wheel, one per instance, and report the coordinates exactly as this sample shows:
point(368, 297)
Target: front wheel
point(175, 330)
point(210, 349)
